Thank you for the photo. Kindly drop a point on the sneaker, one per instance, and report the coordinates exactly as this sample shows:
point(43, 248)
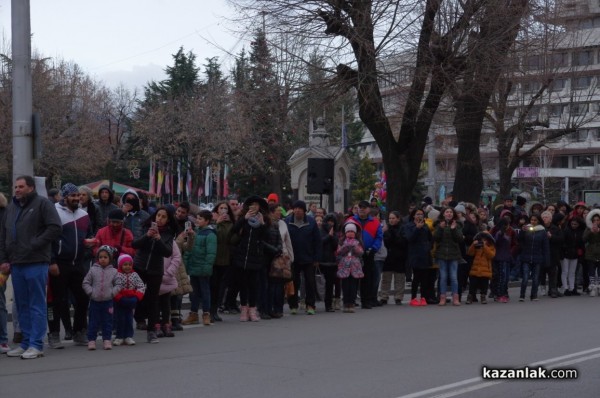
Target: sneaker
point(32, 353)
point(15, 352)
point(415, 302)
point(54, 341)
point(4, 348)
point(107, 345)
point(593, 291)
point(504, 299)
point(521, 298)
point(310, 311)
point(535, 298)
point(383, 301)
point(151, 338)
point(423, 302)
point(68, 335)
point(129, 341)
point(79, 338)
point(398, 302)
point(543, 291)
point(91, 345)
point(117, 342)
point(294, 311)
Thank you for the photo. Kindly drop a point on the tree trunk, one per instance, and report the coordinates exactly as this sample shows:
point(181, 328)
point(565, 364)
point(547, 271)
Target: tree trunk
point(505, 170)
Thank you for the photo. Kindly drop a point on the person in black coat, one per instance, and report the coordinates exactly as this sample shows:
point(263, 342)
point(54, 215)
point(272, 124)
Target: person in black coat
point(328, 263)
point(556, 239)
point(394, 266)
point(419, 243)
point(573, 250)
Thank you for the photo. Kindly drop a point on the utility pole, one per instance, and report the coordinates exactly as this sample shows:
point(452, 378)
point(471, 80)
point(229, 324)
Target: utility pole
point(22, 135)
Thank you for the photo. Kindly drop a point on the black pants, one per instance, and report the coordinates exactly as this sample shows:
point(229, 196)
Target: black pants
point(463, 275)
point(231, 287)
point(249, 284)
point(330, 274)
point(368, 295)
point(310, 285)
point(552, 277)
point(349, 289)
point(478, 283)
point(148, 308)
point(217, 281)
point(431, 275)
point(68, 282)
point(419, 280)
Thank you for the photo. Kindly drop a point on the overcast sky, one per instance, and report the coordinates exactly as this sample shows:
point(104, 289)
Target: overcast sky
point(129, 41)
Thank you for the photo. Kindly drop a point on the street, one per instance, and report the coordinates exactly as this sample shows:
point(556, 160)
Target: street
point(388, 352)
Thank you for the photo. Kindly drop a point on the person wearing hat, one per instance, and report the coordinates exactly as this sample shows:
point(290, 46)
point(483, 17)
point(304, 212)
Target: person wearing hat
point(349, 270)
point(273, 198)
point(105, 203)
point(372, 236)
point(67, 269)
point(115, 235)
point(249, 256)
point(25, 252)
point(306, 241)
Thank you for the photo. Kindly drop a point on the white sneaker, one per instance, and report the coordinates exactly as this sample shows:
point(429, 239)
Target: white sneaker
point(15, 352)
point(32, 353)
point(593, 290)
point(117, 342)
point(543, 290)
point(129, 341)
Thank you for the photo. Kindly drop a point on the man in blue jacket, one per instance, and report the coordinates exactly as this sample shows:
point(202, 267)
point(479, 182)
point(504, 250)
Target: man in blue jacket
point(372, 235)
point(28, 228)
point(306, 242)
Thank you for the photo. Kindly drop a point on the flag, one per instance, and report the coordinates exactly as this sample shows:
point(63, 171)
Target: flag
point(168, 179)
point(179, 181)
point(207, 182)
point(219, 180)
point(225, 181)
point(160, 180)
point(188, 187)
point(152, 173)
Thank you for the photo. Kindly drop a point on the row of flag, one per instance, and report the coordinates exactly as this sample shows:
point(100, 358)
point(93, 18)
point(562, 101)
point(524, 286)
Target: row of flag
point(163, 181)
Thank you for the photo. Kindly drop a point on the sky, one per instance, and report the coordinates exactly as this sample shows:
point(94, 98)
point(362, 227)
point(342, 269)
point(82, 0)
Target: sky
point(129, 41)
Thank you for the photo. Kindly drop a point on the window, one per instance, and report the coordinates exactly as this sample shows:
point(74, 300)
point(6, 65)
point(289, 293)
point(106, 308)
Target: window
point(560, 59)
point(578, 136)
point(583, 82)
point(583, 161)
point(579, 109)
point(586, 23)
point(559, 162)
point(531, 87)
point(558, 85)
point(532, 62)
point(555, 110)
point(583, 58)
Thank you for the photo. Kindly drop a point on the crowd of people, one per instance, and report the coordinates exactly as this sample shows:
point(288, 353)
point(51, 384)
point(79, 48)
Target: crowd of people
point(105, 267)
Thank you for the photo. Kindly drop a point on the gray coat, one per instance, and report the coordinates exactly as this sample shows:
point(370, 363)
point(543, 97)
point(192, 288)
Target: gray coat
point(100, 283)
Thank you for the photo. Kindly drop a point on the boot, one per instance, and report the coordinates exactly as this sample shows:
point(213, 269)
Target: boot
point(483, 299)
point(168, 330)
point(455, 300)
point(253, 314)
point(442, 299)
point(469, 299)
point(158, 330)
point(244, 317)
point(176, 324)
point(54, 340)
point(192, 319)
point(336, 304)
point(206, 318)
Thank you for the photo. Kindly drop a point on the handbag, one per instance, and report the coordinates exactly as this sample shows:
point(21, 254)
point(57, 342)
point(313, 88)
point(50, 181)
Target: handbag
point(281, 267)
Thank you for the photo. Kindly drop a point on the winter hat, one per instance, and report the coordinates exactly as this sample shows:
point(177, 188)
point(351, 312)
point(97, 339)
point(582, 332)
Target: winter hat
point(107, 249)
point(257, 199)
point(124, 258)
point(350, 227)
point(116, 215)
point(460, 208)
point(273, 197)
point(68, 189)
point(579, 204)
point(364, 203)
point(521, 201)
point(299, 204)
point(427, 200)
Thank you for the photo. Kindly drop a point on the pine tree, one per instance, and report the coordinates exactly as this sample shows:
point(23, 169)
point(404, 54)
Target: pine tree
point(365, 180)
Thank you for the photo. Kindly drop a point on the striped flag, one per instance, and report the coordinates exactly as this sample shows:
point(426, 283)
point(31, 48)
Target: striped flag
point(207, 182)
point(168, 177)
point(152, 173)
point(188, 184)
point(179, 181)
point(160, 180)
point(225, 181)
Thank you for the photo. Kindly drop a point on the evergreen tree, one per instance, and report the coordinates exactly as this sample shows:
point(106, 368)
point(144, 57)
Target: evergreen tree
point(365, 180)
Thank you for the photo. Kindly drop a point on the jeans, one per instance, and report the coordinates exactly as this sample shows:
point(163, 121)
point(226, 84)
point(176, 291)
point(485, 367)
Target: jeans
point(448, 267)
point(201, 286)
point(29, 284)
point(500, 273)
point(124, 317)
point(533, 271)
point(3, 316)
point(101, 317)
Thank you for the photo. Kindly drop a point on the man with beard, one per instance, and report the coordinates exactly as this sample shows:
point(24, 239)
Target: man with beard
point(67, 269)
point(29, 226)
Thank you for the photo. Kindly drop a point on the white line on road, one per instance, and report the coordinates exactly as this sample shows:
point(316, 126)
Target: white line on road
point(462, 387)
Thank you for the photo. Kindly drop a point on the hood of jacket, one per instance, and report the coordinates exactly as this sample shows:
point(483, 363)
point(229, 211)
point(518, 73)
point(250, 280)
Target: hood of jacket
point(111, 194)
point(588, 218)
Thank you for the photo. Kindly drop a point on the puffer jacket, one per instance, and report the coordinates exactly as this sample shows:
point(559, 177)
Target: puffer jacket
point(249, 251)
point(534, 245)
point(396, 244)
point(183, 280)
point(574, 247)
point(169, 279)
point(200, 260)
point(223, 258)
point(448, 242)
point(591, 239)
point(100, 283)
point(330, 245)
point(419, 242)
point(482, 260)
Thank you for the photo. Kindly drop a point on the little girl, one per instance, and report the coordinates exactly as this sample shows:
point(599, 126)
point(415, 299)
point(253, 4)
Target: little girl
point(483, 251)
point(131, 291)
point(100, 285)
point(349, 257)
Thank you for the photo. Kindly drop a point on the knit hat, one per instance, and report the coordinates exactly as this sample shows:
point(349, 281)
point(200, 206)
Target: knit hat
point(273, 197)
point(350, 227)
point(460, 208)
point(107, 249)
point(299, 204)
point(68, 189)
point(116, 215)
point(124, 258)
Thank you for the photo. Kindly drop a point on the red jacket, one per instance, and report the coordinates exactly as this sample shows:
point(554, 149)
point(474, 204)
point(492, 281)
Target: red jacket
point(120, 240)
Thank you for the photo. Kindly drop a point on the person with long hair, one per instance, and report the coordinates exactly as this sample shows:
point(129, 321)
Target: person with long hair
point(419, 242)
point(394, 266)
point(247, 234)
point(152, 247)
point(448, 236)
point(223, 218)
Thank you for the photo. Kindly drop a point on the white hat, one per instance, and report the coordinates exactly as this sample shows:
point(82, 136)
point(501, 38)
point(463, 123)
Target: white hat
point(350, 227)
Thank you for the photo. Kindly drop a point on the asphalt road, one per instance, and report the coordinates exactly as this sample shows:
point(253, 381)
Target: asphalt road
point(388, 352)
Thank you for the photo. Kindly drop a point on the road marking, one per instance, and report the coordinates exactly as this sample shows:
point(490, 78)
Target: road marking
point(463, 386)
